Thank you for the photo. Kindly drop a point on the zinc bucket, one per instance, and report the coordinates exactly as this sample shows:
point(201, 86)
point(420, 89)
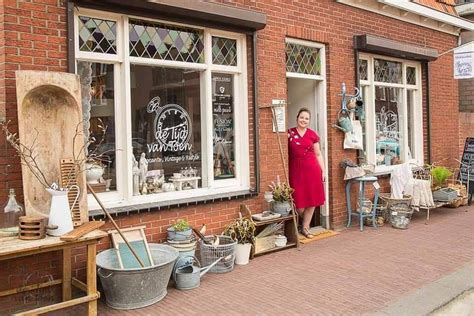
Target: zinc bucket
point(140, 287)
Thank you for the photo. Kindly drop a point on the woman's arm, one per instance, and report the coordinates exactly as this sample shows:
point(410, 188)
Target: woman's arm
point(319, 157)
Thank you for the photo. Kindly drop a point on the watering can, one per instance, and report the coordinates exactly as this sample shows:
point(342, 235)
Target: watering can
point(188, 277)
point(344, 122)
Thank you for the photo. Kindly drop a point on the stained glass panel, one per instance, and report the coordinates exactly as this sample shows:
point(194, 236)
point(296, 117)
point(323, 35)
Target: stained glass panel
point(387, 71)
point(411, 75)
point(168, 42)
point(363, 69)
point(224, 51)
point(303, 59)
point(97, 35)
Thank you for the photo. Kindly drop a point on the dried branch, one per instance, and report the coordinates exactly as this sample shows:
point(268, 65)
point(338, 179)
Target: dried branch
point(26, 154)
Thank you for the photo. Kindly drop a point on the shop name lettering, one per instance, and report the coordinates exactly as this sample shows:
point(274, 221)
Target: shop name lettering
point(463, 68)
point(168, 147)
point(190, 157)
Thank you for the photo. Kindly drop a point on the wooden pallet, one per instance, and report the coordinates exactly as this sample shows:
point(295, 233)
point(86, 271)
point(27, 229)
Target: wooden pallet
point(82, 230)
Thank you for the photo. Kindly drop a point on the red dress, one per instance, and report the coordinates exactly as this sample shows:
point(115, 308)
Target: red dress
point(306, 176)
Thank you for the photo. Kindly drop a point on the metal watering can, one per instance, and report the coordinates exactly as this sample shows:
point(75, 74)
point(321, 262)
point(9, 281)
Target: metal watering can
point(188, 276)
point(344, 122)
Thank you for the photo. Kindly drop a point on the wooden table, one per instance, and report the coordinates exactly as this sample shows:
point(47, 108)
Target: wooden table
point(11, 248)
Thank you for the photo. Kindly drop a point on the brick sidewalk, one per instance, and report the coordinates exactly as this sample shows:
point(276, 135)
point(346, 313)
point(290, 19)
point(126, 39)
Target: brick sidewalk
point(351, 273)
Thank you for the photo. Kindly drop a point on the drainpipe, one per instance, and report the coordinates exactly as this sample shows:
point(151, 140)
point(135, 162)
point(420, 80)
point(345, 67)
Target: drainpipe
point(255, 114)
point(428, 112)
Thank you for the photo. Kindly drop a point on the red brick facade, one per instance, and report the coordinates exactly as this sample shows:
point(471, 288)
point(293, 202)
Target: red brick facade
point(35, 37)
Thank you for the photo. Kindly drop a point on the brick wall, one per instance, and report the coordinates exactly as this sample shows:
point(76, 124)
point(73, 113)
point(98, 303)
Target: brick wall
point(35, 36)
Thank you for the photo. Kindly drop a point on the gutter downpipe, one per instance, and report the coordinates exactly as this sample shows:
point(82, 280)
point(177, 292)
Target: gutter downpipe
point(428, 112)
point(255, 114)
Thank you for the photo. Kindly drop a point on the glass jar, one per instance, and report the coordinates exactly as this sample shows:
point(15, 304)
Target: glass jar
point(10, 214)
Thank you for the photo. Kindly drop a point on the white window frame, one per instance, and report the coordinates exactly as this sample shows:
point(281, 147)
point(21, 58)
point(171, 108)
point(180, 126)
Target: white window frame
point(368, 86)
point(123, 129)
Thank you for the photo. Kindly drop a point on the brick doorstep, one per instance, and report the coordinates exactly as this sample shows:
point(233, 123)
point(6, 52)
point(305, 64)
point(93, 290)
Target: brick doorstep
point(352, 273)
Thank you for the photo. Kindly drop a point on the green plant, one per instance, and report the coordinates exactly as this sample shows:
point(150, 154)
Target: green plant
point(440, 175)
point(181, 225)
point(281, 191)
point(242, 230)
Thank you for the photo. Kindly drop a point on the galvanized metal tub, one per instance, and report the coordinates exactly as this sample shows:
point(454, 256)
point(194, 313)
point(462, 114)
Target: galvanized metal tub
point(136, 288)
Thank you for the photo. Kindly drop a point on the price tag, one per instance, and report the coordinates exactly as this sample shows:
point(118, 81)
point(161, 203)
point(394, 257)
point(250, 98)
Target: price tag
point(394, 213)
point(376, 185)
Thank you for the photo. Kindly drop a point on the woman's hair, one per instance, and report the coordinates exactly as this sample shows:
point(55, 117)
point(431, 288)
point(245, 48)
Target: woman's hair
point(303, 110)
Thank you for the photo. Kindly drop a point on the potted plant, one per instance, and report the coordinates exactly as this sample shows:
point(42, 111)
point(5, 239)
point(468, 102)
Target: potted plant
point(440, 175)
point(179, 231)
point(241, 230)
point(281, 197)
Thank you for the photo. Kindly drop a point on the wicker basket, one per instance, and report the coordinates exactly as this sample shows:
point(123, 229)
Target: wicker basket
point(388, 203)
point(225, 249)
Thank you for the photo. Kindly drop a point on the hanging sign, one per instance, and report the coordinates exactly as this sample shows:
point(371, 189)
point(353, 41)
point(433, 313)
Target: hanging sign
point(464, 61)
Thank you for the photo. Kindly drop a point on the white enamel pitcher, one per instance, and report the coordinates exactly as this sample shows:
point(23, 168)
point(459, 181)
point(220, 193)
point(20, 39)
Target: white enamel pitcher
point(60, 212)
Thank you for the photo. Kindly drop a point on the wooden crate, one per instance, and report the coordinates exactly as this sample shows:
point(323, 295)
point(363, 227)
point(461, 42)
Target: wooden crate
point(264, 243)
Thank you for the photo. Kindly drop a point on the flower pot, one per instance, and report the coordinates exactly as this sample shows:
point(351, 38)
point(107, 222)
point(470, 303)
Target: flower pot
point(184, 235)
point(93, 172)
point(171, 233)
point(242, 253)
point(282, 208)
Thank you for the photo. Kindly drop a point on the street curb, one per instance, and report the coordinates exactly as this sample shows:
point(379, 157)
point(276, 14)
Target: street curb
point(425, 300)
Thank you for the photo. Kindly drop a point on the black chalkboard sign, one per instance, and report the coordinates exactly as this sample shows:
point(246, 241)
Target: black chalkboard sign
point(467, 166)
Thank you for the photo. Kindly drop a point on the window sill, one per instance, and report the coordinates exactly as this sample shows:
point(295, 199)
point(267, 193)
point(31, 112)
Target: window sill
point(180, 202)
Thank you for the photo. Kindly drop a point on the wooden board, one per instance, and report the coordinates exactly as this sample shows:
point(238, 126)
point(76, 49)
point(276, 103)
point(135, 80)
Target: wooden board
point(137, 239)
point(49, 103)
point(82, 230)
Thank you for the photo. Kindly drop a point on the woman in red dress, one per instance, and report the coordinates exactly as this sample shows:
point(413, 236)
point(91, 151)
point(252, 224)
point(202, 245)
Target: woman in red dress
point(306, 169)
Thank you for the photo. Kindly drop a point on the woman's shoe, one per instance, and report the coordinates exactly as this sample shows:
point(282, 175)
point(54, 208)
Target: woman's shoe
point(306, 233)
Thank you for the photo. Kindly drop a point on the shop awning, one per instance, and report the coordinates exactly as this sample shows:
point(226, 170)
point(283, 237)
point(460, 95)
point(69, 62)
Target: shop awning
point(388, 47)
point(193, 12)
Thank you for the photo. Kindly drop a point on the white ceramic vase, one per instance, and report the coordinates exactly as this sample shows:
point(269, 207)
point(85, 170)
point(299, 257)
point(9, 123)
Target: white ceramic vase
point(242, 253)
point(60, 212)
point(93, 172)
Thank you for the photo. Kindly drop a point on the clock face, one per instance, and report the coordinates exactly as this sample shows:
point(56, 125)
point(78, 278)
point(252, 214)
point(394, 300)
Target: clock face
point(172, 126)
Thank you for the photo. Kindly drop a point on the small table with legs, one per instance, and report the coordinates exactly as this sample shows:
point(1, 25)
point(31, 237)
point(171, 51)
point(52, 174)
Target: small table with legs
point(360, 211)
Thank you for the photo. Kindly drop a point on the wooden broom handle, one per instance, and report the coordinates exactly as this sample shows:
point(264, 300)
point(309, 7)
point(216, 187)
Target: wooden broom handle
point(115, 225)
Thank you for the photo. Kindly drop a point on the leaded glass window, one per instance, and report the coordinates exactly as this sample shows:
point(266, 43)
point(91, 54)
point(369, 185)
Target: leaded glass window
point(363, 69)
point(97, 35)
point(224, 51)
point(411, 75)
point(303, 59)
point(168, 42)
point(387, 71)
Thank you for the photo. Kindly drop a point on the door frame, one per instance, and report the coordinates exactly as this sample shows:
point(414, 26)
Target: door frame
point(320, 111)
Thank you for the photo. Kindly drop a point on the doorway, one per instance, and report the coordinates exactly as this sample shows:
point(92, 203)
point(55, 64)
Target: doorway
point(311, 94)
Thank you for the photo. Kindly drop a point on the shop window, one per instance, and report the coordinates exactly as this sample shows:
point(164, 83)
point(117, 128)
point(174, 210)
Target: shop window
point(97, 35)
point(98, 104)
point(169, 103)
point(167, 42)
point(392, 117)
point(224, 51)
point(302, 59)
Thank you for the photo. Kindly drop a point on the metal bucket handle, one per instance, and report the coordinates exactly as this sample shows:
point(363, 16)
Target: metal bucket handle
point(179, 260)
point(103, 276)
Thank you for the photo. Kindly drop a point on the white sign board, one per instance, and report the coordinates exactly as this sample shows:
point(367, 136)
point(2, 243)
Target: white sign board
point(464, 65)
point(464, 61)
point(279, 108)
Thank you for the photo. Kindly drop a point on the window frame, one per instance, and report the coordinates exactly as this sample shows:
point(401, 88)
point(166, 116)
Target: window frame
point(368, 89)
point(122, 61)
